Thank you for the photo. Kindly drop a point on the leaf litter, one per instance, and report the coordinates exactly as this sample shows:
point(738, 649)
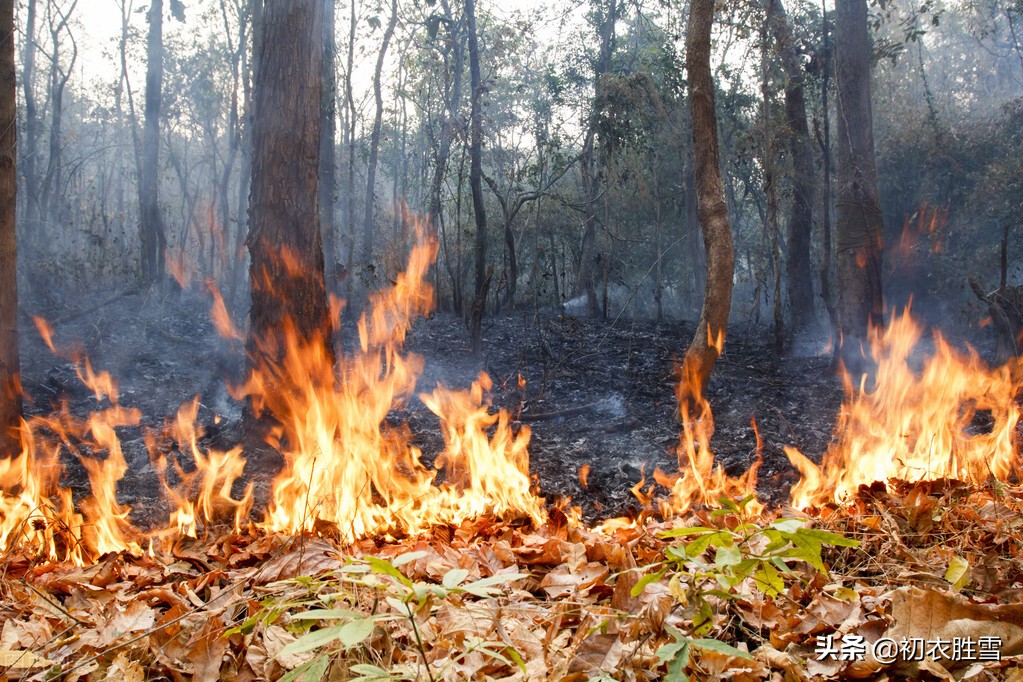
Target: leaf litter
point(497, 600)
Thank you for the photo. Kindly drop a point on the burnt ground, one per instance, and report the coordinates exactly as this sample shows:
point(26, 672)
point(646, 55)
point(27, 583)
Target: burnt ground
point(597, 393)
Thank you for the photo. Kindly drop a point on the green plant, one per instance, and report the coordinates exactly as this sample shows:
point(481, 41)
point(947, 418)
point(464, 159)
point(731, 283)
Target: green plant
point(324, 626)
point(676, 653)
point(741, 549)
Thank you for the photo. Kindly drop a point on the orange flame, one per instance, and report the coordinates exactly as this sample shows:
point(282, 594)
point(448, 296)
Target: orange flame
point(699, 480)
point(915, 426)
point(346, 464)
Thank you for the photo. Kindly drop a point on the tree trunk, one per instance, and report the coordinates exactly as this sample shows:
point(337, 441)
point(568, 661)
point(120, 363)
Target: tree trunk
point(246, 71)
point(804, 181)
point(589, 164)
point(770, 191)
point(31, 141)
point(10, 367)
point(374, 138)
point(452, 126)
point(328, 133)
point(351, 114)
point(53, 203)
point(713, 212)
point(153, 236)
point(476, 183)
point(859, 220)
point(286, 268)
point(824, 140)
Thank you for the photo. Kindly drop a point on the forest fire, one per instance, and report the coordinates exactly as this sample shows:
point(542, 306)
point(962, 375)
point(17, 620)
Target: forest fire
point(348, 468)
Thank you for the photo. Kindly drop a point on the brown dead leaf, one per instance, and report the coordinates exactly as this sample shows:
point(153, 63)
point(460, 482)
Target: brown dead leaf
point(22, 660)
point(309, 557)
point(169, 642)
point(719, 666)
point(562, 581)
point(932, 615)
point(276, 638)
point(779, 660)
point(123, 669)
point(537, 550)
point(598, 653)
point(206, 650)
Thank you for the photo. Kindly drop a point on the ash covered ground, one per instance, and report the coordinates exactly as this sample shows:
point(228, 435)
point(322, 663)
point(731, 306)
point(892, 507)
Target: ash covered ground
point(597, 393)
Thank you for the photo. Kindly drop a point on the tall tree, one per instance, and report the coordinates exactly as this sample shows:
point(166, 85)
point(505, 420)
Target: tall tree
point(713, 211)
point(450, 129)
point(328, 134)
point(10, 372)
point(589, 163)
point(482, 282)
point(858, 210)
point(374, 137)
point(31, 140)
point(351, 115)
point(52, 199)
point(804, 180)
point(286, 268)
point(151, 228)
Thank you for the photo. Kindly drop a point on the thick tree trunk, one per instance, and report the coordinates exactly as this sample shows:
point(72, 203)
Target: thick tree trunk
point(374, 138)
point(591, 171)
point(153, 236)
point(859, 220)
point(804, 180)
point(476, 183)
point(717, 233)
point(10, 372)
point(328, 133)
point(286, 269)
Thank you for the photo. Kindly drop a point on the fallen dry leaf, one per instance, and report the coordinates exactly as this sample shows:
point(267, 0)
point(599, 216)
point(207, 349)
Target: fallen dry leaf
point(933, 615)
point(206, 651)
point(308, 557)
point(598, 653)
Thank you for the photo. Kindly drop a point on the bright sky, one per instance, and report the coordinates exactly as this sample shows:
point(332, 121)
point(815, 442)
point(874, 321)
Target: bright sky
point(100, 28)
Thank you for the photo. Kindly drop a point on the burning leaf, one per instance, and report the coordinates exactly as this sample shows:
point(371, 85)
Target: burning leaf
point(584, 474)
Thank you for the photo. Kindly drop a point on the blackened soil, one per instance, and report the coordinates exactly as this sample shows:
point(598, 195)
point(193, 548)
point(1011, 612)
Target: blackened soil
point(596, 393)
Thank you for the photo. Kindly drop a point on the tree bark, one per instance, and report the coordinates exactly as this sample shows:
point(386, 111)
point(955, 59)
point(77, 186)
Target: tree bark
point(713, 212)
point(804, 180)
point(153, 236)
point(286, 267)
point(351, 115)
point(858, 211)
point(10, 367)
point(328, 133)
point(451, 128)
point(591, 171)
point(31, 141)
point(476, 183)
point(374, 138)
